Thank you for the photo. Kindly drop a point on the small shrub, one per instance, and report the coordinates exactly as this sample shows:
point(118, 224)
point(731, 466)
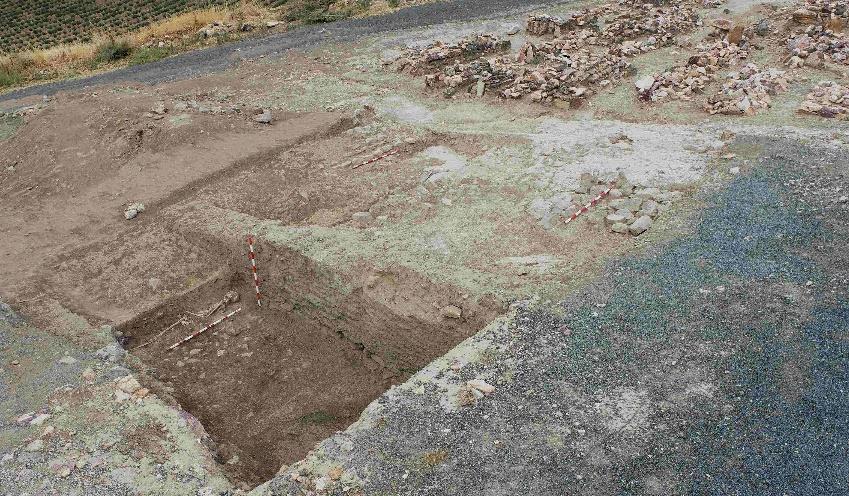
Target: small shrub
point(393, 3)
point(111, 51)
point(363, 4)
point(10, 78)
point(150, 54)
point(313, 12)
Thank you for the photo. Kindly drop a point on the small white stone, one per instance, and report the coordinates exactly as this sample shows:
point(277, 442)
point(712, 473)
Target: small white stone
point(40, 419)
point(36, 445)
point(451, 312)
point(481, 385)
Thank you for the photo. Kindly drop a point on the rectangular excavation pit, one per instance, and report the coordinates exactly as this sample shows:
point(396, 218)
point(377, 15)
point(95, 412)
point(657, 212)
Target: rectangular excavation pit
point(272, 381)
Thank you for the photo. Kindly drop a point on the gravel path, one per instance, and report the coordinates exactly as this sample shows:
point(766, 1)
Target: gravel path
point(218, 58)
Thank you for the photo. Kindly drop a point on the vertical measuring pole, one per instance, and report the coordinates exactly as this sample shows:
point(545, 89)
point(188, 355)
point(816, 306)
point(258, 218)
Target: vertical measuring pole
point(252, 256)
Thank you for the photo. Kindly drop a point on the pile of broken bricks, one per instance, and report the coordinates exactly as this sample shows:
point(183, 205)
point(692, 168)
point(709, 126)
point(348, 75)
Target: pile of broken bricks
point(827, 99)
point(747, 91)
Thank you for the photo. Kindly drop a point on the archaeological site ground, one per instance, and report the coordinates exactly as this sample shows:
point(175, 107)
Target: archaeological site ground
point(501, 248)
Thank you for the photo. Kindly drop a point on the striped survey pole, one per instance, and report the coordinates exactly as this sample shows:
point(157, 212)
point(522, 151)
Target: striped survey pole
point(375, 159)
point(208, 327)
point(252, 256)
point(589, 205)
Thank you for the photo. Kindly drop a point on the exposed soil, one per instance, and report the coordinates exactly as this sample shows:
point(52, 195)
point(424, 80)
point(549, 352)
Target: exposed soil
point(272, 381)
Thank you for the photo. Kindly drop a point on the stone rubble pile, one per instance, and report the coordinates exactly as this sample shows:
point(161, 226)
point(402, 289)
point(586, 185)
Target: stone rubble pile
point(818, 45)
point(419, 61)
point(827, 99)
point(747, 91)
point(567, 77)
point(590, 48)
point(544, 24)
point(625, 20)
point(683, 81)
point(832, 13)
point(632, 210)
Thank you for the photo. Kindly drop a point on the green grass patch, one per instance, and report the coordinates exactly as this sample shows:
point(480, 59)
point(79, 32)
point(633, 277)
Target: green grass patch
point(149, 54)
point(8, 125)
point(10, 77)
point(317, 418)
point(111, 51)
point(314, 12)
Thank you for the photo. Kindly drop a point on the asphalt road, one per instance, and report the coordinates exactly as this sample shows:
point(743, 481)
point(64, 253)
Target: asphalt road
point(218, 58)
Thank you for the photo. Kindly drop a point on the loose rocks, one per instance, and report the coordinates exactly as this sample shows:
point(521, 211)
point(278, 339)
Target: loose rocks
point(827, 99)
point(133, 210)
point(264, 117)
point(747, 91)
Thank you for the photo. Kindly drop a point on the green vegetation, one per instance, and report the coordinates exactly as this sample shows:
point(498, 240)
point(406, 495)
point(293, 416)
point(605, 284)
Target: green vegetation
point(318, 418)
point(149, 54)
point(313, 12)
point(111, 51)
point(8, 125)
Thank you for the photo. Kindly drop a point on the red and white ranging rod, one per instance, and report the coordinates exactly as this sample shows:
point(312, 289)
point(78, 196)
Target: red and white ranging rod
point(208, 327)
point(375, 159)
point(592, 203)
point(252, 256)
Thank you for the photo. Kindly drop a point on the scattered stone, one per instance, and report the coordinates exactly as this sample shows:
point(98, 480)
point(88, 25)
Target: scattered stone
point(25, 418)
point(68, 360)
point(762, 27)
point(264, 117)
point(272, 24)
point(40, 419)
point(827, 99)
point(335, 473)
point(33, 446)
point(481, 385)
point(451, 312)
point(128, 384)
point(362, 219)
point(649, 208)
point(563, 69)
point(818, 45)
point(418, 61)
point(640, 225)
point(620, 228)
point(747, 91)
point(111, 353)
point(133, 210)
point(629, 204)
point(513, 30)
point(683, 81)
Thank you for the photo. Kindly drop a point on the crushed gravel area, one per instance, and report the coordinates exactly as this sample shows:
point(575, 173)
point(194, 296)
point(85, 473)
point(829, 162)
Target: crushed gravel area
point(715, 365)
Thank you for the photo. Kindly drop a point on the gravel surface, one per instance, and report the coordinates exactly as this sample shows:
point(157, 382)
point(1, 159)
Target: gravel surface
point(716, 365)
point(218, 58)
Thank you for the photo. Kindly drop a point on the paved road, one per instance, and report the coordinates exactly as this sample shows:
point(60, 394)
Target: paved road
point(221, 57)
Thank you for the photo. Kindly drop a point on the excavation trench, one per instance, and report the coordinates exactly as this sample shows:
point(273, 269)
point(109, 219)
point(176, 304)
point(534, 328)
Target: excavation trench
point(272, 381)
